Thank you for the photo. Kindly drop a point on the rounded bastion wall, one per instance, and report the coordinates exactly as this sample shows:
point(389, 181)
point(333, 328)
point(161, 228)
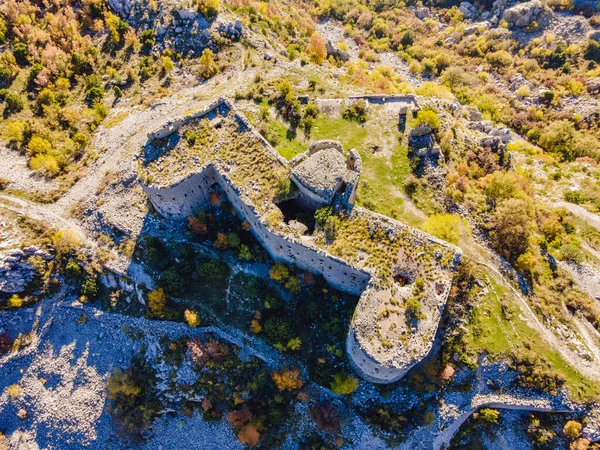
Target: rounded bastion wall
point(367, 367)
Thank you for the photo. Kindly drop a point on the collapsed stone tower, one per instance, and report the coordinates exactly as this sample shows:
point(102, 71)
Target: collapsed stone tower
point(322, 172)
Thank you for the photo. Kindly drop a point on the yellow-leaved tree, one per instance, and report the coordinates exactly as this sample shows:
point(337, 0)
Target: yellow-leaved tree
point(316, 50)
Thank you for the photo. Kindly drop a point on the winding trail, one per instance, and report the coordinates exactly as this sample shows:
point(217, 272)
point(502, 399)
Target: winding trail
point(122, 142)
point(591, 369)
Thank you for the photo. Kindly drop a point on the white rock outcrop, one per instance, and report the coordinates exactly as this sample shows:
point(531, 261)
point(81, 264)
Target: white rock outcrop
point(524, 14)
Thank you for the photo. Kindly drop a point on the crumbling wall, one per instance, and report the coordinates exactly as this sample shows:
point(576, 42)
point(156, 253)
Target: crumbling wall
point(181, 200)
point(321, 145)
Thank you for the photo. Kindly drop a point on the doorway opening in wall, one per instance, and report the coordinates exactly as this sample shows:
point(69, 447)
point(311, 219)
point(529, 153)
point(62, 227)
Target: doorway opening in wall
point(295, 210)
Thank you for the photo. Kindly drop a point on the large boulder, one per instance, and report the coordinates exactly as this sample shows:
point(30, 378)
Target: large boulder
point(593, 85)
point(422, 13)
point(336, 52)
point(468, 10)
point(524, 14)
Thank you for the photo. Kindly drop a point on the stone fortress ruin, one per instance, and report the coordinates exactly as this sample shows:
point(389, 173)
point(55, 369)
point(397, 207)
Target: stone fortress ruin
point(403, 275)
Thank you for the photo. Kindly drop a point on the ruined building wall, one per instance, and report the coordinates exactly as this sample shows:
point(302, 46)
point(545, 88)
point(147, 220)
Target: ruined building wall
point(182, 199)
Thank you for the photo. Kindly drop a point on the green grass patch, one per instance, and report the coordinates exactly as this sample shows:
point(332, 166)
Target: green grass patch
point(499, 330)
point(382, 182)
point(115, 120)
point(349, 132)
point(288, 145)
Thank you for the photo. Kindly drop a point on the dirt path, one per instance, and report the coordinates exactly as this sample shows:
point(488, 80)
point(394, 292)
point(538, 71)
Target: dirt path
point(492, 401)
point(591, 369)
point(46, 213)
point(579, 211)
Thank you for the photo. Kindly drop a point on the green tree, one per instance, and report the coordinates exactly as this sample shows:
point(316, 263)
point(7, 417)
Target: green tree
point(233, 239)
point(332, 226)
point(173, 282)
point(157, 300)
point(122, 384)
point(279, 272)
point(167, 64)
point(213, 270)
point(293, 285)
point(279, 330)
point(294, 344)
point(89, 288)
point(444, 226)
point(511, 228)
point(343, 384)
point(95, 94)
point(208, 66)
point(526, 262)
point(245, 253)
point(316, 49)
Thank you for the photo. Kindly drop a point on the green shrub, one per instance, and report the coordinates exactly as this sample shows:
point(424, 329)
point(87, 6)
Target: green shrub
point(574, 197)
point(426, 117)
point(147, 38)
point(20, 52)
point(14, 103)
point(592, 51)
point(89, 288)
point(413, 308)
point(356, 111)
point(208, 8)
point(487, 415)
point(279, 272)
point(343, 384)
point(322, 214)
point(500, 59)
point(279, 330)
point(73, 269)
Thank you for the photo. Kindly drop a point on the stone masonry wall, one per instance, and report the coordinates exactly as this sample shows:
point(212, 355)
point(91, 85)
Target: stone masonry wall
point(182, 199)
